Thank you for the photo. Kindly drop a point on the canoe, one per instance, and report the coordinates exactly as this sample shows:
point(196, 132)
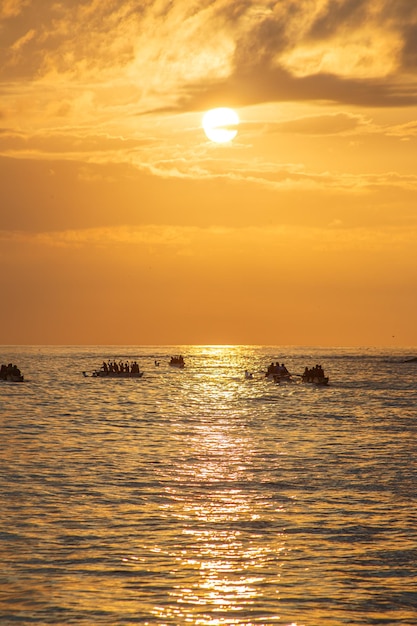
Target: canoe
point(323, 380)
point(13, 378)
point(177, 362)
point(282, 378)
point(103, 374)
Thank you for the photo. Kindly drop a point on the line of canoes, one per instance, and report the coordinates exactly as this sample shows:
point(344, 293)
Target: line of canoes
point(276, 372)
point(280, 374)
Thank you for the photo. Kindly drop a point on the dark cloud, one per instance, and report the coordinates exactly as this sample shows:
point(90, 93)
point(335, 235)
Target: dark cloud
point(266, 39)
point(82, 31)
point(337, 16)
point(258, 75)
point(277, 84)
point(320, 124)
point(409, 53)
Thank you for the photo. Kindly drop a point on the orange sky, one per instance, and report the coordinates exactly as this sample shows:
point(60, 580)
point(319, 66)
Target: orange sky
point(121, 223)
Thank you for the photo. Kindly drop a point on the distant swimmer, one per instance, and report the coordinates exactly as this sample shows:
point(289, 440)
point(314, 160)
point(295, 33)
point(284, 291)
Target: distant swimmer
point(156, 363)
point(248, 375)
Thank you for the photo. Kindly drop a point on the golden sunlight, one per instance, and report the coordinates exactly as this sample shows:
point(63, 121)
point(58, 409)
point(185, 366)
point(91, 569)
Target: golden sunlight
point(220, 124)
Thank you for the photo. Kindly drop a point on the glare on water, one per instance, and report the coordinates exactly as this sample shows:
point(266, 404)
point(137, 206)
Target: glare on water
point(196, 496)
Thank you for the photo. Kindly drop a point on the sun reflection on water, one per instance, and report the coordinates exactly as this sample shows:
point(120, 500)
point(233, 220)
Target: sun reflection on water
point(223, 512)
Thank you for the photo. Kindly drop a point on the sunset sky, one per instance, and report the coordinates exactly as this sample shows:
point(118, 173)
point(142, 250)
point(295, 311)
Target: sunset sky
point(122, 223)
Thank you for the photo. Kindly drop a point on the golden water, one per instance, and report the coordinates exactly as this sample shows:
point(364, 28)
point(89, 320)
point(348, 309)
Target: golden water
point(198, 497)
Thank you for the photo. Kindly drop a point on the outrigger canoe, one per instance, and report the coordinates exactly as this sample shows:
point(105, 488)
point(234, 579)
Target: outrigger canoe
point(281, 378)
point(103, 374)
point(177, 361)
point(316, 380)
point(13, 378)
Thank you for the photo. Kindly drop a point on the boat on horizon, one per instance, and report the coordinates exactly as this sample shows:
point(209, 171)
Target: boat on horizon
point(177, 361)
point(278, 373)
point(314, 376)
point(282, 378)
point(13, 378)
point(114, 369)
point(11, 373)
point(103, 374)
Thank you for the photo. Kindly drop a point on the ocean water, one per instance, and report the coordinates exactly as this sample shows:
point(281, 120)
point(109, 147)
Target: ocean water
point(198, 497)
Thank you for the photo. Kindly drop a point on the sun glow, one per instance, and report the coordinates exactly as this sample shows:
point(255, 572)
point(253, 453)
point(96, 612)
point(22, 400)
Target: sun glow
point(220, 124)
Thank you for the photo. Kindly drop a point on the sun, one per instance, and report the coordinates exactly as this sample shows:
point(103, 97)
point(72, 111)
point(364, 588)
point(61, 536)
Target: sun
point(220, 124)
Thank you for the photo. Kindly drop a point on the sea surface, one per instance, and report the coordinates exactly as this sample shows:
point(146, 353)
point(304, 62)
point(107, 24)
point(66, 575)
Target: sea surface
point(197, 497)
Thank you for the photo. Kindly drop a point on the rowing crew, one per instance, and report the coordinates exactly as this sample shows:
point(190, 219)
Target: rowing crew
point(275, 369)
point(10, 372)
point(120, 367)
point(314, 374)
point(279, 373)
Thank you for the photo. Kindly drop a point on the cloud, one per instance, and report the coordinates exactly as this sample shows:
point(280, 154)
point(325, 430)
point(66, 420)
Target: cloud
point(12, 8)
point(332, 124)
point(103, 237)
point(370, 54)
point(405, 131)
point(22, 41)
point(186, 239)
point(81, 78)
point(73, 144)
point(349, 51)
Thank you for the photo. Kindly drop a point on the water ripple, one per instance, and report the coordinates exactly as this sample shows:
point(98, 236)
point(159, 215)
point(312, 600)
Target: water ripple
point(199, 497)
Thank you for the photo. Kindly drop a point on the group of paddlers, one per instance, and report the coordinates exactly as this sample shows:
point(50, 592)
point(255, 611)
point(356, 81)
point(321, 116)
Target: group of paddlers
point(275, 369)
point(278, 372)
point(10, 372)
point(314, 374)
point(177, 360)
point(113, 367)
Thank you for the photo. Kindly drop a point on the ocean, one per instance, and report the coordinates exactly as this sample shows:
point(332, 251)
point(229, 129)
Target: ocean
point(199, 497)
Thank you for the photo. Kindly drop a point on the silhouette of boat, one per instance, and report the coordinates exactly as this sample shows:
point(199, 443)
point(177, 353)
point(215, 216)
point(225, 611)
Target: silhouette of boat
point(13, 378)
point(11, 373)
point(103, 374)
point(315, 376)
point(281, 378)
point(177, 361)
point(315, 380)
point(113, 369)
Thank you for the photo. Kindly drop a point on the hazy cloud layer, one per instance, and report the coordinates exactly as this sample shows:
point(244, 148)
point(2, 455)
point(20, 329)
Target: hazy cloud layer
point(195, 241)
